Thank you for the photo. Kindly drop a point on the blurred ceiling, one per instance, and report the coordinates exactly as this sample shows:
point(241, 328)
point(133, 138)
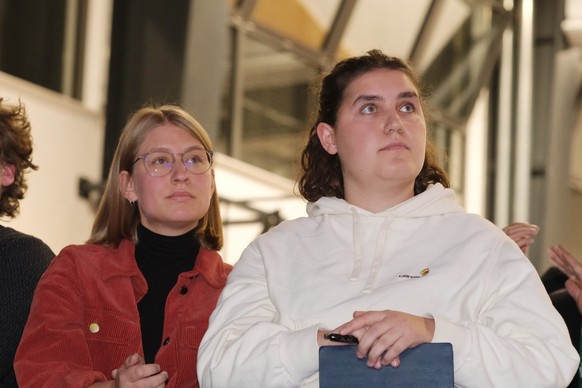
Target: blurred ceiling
point(413, 29)
point(453, 45)
point(393, 25)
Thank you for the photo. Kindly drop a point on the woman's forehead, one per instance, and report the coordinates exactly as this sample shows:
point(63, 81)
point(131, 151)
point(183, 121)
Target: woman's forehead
point(169, 136)
point(378, 83)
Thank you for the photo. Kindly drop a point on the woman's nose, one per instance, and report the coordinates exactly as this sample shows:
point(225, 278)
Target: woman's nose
point(393, 123)
point(179, 171)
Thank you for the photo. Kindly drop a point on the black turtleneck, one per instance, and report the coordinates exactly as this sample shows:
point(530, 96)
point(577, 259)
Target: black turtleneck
point(160, 259)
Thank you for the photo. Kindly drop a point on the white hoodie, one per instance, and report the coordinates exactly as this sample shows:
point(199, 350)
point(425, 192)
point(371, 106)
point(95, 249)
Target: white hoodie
point(483, 293)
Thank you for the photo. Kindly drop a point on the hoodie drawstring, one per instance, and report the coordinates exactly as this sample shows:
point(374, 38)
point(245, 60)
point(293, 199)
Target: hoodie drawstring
point(357, 248)
point(378, 255)
point(378, 252)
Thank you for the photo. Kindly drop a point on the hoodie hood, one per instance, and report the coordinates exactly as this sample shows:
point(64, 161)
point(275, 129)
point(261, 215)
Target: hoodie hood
point(434, 201)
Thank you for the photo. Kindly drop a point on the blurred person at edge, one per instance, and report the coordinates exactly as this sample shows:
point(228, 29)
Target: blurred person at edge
point(130, 307)
point(563, 281)
point(386, 254)
point(24, 258)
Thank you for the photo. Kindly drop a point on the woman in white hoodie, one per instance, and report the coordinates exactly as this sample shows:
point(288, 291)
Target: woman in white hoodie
point(386, 254)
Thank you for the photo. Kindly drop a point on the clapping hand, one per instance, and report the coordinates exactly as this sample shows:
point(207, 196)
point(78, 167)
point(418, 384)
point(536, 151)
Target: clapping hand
point(522, 233)
point(136, 373)
point(568, 264)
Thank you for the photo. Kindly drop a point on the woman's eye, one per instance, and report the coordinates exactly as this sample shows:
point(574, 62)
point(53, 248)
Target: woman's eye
point(369, 109)
point(407, 108)
point(159, 159)
point(194, 160)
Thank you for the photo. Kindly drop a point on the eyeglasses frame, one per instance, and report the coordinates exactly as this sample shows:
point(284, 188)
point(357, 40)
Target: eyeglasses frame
point(143, 156)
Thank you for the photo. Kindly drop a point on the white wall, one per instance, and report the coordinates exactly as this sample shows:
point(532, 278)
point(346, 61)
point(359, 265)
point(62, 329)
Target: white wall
point(68, 145)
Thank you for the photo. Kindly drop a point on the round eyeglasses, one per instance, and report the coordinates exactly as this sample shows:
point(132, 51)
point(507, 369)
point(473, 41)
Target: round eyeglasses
point(159, 163)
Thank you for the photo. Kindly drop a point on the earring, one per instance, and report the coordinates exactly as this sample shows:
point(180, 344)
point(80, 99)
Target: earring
point(131, 202)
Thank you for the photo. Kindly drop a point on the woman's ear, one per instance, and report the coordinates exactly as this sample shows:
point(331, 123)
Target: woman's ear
point(8, 172)
point(126, 186)
point(326, 135)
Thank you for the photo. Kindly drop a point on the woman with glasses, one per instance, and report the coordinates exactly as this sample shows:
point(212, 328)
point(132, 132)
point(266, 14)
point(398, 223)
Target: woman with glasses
point(386, 255)
point(130, 307)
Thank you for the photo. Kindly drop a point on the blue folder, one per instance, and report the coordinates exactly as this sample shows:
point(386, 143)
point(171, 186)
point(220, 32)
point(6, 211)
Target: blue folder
point(428, 365)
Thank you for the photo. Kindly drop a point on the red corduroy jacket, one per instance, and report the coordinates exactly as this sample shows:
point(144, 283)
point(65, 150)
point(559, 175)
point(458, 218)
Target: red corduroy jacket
point(84, 320)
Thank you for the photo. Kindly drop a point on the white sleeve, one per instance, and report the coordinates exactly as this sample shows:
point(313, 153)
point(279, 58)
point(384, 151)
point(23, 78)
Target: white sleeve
point(519, 339)
point(244, 346)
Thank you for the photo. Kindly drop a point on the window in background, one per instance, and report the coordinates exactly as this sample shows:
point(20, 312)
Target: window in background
point(41, 42)
point(276, 109)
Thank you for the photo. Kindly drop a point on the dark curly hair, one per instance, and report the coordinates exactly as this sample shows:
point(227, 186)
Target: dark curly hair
point(321, 173)
point(16, 150)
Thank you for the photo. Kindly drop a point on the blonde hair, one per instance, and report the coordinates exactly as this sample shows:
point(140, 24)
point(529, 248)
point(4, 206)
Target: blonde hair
point(116, 218)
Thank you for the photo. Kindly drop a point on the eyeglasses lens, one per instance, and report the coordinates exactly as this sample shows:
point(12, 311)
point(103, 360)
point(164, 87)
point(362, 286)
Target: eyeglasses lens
point(159, 163)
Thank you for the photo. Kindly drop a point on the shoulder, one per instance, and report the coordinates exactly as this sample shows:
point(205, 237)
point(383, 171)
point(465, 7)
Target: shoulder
point(97, 250)
point(24, 258)
point(301, 225)
point(98, 257)
point(482, 235)
point(24, 251)
point(212, 267)
point(9, 236)
point(477, 231)
point(476, 222)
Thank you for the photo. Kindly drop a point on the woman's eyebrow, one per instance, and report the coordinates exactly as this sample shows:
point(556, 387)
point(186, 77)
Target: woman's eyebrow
point(408, 94)
point(367, 97)
point(166, 149)
point(374, 97)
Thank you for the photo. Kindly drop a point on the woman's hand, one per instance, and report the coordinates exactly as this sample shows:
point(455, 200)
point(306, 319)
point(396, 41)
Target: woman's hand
point(568, 264)
point(383, 335)
point(522, 233)
point(136, 373)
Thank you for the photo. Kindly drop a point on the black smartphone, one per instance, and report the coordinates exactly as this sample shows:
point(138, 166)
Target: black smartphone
point(347, 338)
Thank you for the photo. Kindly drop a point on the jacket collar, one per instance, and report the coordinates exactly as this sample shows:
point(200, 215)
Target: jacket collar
point(209, 264)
